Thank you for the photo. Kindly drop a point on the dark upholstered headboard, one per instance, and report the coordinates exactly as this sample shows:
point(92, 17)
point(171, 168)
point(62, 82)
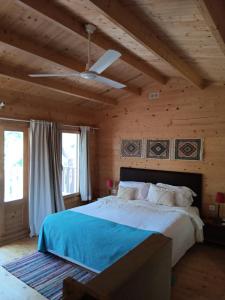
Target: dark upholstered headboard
point(191, 180)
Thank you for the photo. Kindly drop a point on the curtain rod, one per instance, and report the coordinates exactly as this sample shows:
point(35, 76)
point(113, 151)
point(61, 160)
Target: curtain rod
point(27, 121)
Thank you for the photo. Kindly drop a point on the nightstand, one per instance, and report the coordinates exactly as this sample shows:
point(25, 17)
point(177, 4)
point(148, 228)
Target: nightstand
point(214, 232)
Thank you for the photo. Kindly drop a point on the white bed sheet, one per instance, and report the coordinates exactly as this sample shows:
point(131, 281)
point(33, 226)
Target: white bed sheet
point(183, 225)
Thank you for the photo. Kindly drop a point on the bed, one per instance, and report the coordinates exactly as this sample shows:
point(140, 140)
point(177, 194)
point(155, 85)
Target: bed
point(111, 221)
point(181, 225)
point(185, 227)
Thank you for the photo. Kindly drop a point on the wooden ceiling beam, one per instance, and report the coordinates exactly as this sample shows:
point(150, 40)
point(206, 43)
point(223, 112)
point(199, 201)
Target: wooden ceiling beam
point(213, 13)
point(71, 23)
point(56, 86)
point(144, 35)
point(31, 47)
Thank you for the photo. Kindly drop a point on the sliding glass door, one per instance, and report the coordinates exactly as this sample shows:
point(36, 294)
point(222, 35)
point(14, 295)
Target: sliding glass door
point(13, 181)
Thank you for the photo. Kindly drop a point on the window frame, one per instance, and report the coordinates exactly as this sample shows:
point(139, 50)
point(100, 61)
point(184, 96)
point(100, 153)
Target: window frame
point(76, 130)
point(22, 127)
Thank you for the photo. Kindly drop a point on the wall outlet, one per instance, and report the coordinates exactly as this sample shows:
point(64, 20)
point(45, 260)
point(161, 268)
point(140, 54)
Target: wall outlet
point(212, 207)
point(153, 95)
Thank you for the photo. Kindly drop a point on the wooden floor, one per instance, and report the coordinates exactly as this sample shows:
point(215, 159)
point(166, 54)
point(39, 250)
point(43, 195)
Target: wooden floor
point(200, 275)
point(12, 288)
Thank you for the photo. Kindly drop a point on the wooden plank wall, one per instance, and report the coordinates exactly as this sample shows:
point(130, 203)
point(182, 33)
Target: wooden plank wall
point(182, 111)
point(25, 105)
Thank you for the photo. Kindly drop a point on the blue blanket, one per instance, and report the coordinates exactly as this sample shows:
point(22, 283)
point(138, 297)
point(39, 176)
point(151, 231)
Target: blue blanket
point(90, 241)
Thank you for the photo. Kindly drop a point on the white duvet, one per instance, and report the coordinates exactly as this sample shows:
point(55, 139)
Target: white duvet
point(183, 225)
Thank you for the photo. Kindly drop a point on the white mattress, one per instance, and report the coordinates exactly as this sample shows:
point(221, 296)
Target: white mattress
point(183, 225)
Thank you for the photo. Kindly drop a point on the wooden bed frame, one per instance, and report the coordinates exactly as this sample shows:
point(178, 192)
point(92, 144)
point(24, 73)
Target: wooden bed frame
point(145, 272)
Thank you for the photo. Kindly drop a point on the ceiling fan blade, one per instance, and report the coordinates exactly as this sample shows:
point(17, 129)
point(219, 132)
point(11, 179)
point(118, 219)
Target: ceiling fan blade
point(56, 75)
point(112, 83)
point(105, 61)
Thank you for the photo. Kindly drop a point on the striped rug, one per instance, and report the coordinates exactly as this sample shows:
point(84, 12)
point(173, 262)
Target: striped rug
point(45, 273)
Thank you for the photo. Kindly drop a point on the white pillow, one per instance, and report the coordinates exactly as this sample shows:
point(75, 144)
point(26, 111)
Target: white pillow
point(126, 193)
point(187, 190)
point(183, 194)
point(141, 188)
point(161, 196)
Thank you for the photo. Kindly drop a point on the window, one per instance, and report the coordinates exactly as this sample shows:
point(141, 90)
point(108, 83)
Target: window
point(13, 165)
point(70, 162)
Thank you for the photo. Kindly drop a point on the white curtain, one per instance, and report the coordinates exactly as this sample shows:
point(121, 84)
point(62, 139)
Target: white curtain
point(45, 194)
point(85, 172)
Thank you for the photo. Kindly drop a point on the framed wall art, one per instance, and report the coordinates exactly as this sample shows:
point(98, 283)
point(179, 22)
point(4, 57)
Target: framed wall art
point(131, 148)
point(188, 149)
point(158, 149)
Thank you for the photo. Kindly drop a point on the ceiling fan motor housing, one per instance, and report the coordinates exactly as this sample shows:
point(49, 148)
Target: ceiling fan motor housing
point(88, 75)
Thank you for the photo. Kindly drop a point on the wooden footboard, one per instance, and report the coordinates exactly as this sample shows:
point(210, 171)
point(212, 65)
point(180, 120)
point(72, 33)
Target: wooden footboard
point(143, 274)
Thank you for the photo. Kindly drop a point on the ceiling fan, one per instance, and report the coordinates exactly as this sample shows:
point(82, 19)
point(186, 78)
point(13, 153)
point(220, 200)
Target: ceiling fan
point(92, 72)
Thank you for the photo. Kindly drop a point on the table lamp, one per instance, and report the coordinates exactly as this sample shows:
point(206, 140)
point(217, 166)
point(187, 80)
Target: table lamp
point(220, 198)
point(109, 184)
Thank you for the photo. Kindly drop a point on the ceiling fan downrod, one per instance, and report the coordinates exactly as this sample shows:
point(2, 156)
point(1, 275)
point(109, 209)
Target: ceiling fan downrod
point(90, 29)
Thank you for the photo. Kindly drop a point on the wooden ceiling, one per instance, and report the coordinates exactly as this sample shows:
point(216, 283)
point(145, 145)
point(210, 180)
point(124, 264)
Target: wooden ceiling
point(158, 39)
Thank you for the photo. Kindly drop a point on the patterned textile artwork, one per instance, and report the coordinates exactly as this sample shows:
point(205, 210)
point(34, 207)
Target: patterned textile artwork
point(131, 148)
point(158, 149)
point(188, 149)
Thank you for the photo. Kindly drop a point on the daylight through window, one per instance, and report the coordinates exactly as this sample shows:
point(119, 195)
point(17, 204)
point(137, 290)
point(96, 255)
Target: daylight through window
point(70, 162)
point(13, 165)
